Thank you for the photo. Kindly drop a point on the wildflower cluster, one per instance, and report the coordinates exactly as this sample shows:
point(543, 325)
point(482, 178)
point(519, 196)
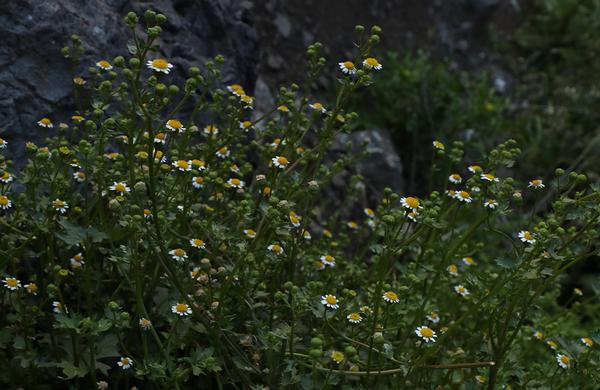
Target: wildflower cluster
point(145, 250)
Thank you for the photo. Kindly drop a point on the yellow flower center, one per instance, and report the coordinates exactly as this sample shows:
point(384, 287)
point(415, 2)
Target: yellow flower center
point(283, 108)
point(413, 202)
point(464, 194)
point(198, 242)
point(120, 187)
point(372, 62)
point(489, 176)
point(565, 359)
point(179, 252)
point(246, 124)
point(452, 268)
point(392, 296)
point(58, 203)
point(330, 299)
point(328, 258)
point(104, 64)
point(354, 316)
point(3, 200)
point(159, 63)
point(182, 164)
point(223, 150)
point(45, 121)
point(125, 361)
point(5, 175)
point(282, 160)
point(199, 180)
point(536, 182)
point(317, 106)
point(588, 341)
point(235, 182)
point(349, 65)
point(276, 248)
point(11, 282)
point(147, 212)
point(426, 332)
point(174, 123)
point(527, 235)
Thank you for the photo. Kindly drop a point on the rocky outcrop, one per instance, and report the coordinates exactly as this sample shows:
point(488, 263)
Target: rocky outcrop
point(36, 80)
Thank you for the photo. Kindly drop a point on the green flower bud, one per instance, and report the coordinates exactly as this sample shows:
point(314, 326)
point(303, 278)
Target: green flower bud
point(119, 61)
point(150, 18)
point(316, 342)
point(160, 18)
point(134, 63)
point(113, 306)
point(173, 89)
point(359, 29)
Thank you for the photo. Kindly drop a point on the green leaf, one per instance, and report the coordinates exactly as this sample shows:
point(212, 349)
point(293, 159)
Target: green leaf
point(71, 371)
point(506, 262)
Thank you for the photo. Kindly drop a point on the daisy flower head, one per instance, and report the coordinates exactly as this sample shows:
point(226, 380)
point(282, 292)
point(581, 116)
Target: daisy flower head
point(104, 65)
point(247, 100)
point(77, 118)
point(6, 177)
point(294, 219)
point(337, 356)
point(79, 176)
point(45, 122)
point(372, 63)
point(438, 145)
point(223, 152)
point(236, 89)
point(330, 301)
point(160, 138)
point(280, 162)
point(426, 333)
point(536, 184)
point(552, 344)
point(526, 236)
point(13, 284)
point(461, 290)
point(147, 214)
point(59, 308)
point(577, 291)
point(538, 335)
point(347, 67)
point(175, 125)
point(283, 108)
point(481, 379)
point(433, 317)
point(455, 178)
point(159, 65)
point(235, 182)
point(588, 342)
point(369, 212)
point(468, 261)
point(197, 243)
point(199, 164)
point(391, 297)
point(327, 260)
point(178, 254)
point(317, 106)
point(181, 309)
point(3, 144)
point(490, 204)
point(411, 203)
point(182, 165)
point(211, 130)
point(250, 233)
point(354, 318)
point(352, 225)
point(77, 261)
point(245, 125)
point(31, 288)
point(60, 205)
point(79, 80)
point(319, 266)
point(475, 169)
point(276, 248)
point(463, 196)
point(125, 362)
point(412, 215)
point(120, 187)
point(489, 177)
point(306, 235)
point(145, 323)
point(563, 360)
point(198, 182)
point(452, 269)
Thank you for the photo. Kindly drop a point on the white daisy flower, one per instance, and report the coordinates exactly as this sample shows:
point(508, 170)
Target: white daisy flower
point(330, 301)
point(372, 63)
point(178, 254)
point(317, 106)
point(45, 122)
point(125, 363)
point(11, 283)
point(235, 182)
point(455, 178)
point(433, 317)
point(223, 152)
point(354, 318)
point(175, 125)
point(120, 187)
point(391, 297)
point(5, 203)
point(526, 236)
point(536, 184)
point(347, 67)
point(181, 309)
point(490, 204)
point(60, 206)
point(276, 248)
point(159, 65)
point(489, 177)
point(198, 182)
point(327, 260)
point(104, 65)
point(426, 333)
point(463, 196)
point(197, 243)
point(182, 165)
point(280, 162)
point(461, 290)
point(563, 360)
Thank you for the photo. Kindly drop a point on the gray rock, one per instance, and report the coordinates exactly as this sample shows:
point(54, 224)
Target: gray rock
point(282, 22)
point(381, 168)
point(36, 80)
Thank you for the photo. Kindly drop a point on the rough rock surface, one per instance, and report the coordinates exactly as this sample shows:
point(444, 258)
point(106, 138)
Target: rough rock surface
point(381, 168)
point(35, 79)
